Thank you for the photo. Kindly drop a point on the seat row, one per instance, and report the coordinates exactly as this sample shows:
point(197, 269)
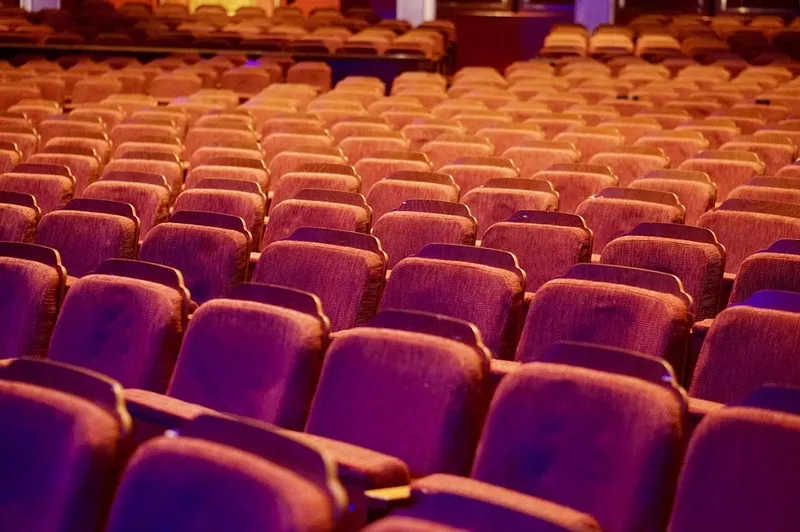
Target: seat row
point(404, 400)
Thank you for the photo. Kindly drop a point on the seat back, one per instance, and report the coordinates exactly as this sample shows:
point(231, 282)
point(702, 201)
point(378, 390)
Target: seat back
point(733, 362)
point(649, 414)
point(499, 198)
point(86, 232)
point(763, 430)
point(78, 425)
point(545, 243)
point(491, 277)
point(259, 476)
point(406, 230)
point(615, 211)
point(692, 254)
point(33, 280)
point(272, 349)
point(211, 250)
point(459, 369)
point(349, 288)
point(149, 305)
point(628, 308)
point(766, 222)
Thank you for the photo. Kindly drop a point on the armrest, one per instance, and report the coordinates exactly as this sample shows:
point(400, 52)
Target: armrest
point(360, 470)
point(383, 500)
point(358, 465)
point(254, 256)
point(698, 409)
point(698, 336)
point(727, 287)
point(471, 504)
point(499, 369)
point(153, 413)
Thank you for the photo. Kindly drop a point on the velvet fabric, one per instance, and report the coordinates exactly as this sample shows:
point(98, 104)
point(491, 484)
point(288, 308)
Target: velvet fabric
point(568, 450)
point(347, 280)
point(423, 405)
point(127, 329)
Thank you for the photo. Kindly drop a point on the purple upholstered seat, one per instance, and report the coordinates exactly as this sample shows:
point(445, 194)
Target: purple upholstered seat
point(227, 474)
point(64, 445)
point(125, 321)
point(774, 268)
point(435, 385)
point(406, 230)
point(485, 508)
point(760, 436)
point(345, 269)
point(87, 232)
point(479, 285)
point(32, 281)
point(629, 308)
point(749, 345)
point(211, 250)
point(545, 243)
point(256, 353)
point(692, 254)
point(19, 215)
point(549, 423)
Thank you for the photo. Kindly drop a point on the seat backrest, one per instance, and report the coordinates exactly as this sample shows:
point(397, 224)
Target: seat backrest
point(290, 184)
point(759, 436)
point(614, 211)
point(546, 243)
point(19, 215)
point(499, 198)
point(629, 308)
point(259, 476)
point(575, 182)
point(773, 268)
point(86, 232)
point(272, 349)
point(33, 280)
point(78, 426)
point(149, 304)
point(694, 190)
point(312, 207)
point(349, 289)
point(491, 277)
point(736, 360)
point(406, 230)
point(458, 367)
point(150, 201)
point(692, 254)
point(632, 490)
point(210, 249)
point(766, 222)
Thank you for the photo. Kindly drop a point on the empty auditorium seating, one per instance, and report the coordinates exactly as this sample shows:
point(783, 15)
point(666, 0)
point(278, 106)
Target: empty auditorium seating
point(499, 198)
point(479, 285)
point(758, 433)
point(639, 400)
point(615, 211)
point(692, 254)
point(74, 439)
point(349, 284)
point(125, 321)
point(211, 251)
point(748, 346)
point(33, 280)
point(228, 472)
point(746, 226)
point(263, 365)
point(630, 308)
point(435, 385)
point(406, 230)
